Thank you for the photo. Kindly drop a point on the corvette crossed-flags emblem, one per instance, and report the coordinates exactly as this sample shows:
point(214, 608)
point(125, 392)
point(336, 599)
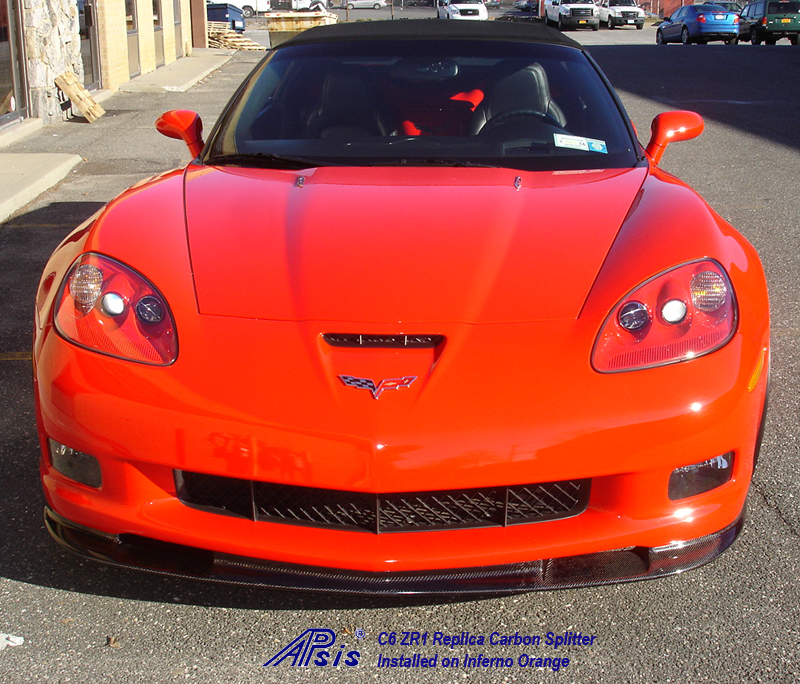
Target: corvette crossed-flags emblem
point(379, 388)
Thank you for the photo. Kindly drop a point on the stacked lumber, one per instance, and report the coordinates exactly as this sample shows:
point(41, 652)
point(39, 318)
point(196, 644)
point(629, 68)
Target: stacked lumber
point(221, 36)
point(79, 96)
point(297, 21)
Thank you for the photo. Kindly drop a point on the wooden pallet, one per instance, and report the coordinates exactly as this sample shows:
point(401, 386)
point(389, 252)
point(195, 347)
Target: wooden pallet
point(79, 96)
point(221, 36)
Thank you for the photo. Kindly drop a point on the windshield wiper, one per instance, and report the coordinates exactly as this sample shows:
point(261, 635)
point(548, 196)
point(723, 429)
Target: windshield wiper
point(434, 161)
point(264, 160)
point(274, 161)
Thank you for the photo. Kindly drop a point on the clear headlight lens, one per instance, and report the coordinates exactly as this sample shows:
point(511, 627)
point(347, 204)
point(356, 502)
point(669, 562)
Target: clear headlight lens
point(709, 291)
point(85, 285)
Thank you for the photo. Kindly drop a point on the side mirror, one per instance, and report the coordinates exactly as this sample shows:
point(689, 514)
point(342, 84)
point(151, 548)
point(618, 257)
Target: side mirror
point(185, 125)
point(671, 127)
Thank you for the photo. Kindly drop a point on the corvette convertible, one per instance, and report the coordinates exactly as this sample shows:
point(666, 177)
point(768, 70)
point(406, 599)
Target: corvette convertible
point(420, 315)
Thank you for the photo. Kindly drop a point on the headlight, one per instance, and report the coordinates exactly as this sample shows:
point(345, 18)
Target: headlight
point(109, 308)
point(675, 316)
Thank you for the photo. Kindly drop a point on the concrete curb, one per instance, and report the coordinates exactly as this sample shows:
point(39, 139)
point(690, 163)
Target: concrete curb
point(20, 131)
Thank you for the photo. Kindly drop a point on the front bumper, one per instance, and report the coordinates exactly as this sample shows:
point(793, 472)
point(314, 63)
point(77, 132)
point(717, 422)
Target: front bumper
point(606, 567)
point(568, 21)
point(625, 21)
point(601, 427)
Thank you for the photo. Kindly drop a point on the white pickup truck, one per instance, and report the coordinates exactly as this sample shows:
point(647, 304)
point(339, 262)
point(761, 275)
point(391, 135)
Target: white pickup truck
point(621, 13)
point(568, 14)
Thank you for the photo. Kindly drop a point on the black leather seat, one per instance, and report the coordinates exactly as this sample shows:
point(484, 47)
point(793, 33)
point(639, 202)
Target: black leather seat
point(348, 108)
point(524, 92)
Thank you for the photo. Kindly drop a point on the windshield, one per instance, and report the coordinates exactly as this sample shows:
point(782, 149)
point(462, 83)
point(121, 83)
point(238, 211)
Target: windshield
point(622, 3)
point(461, 103)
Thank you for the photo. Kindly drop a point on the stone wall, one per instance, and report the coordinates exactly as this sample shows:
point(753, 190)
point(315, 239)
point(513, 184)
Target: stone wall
point(52, 47)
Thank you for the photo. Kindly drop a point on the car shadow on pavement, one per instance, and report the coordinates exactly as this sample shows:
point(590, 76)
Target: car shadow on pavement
point(750, 88)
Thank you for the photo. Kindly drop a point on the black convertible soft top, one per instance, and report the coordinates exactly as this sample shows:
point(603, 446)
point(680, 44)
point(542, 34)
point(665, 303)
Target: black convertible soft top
point(432, 29)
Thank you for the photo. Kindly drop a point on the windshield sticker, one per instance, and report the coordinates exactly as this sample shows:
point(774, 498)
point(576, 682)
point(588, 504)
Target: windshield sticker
point(574, 142)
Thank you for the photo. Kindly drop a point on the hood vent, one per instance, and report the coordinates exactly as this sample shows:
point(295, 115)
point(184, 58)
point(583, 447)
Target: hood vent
point(376, 341)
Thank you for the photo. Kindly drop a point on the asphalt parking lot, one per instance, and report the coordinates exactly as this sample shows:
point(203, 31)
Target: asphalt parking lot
point(735, 620)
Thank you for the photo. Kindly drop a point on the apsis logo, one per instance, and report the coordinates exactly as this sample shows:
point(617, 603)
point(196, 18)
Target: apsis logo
point(315, 643)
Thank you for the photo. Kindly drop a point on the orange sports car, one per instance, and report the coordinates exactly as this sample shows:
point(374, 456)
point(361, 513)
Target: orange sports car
point(420, 315)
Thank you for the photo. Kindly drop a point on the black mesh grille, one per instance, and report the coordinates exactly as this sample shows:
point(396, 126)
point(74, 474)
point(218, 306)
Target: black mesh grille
point(225, 493)
point(378, 513)
point(310, 506)
point(457, 508)
point(378, 341)
point(581, 12)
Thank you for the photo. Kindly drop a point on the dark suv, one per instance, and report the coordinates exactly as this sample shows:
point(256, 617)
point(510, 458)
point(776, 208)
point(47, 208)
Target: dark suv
point(770, 20)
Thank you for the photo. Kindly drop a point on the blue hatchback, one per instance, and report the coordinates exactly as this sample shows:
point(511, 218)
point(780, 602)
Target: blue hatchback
point(699, 24)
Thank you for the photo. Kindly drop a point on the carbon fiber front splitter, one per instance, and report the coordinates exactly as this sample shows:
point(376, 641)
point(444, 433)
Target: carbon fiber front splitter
point(605, 567)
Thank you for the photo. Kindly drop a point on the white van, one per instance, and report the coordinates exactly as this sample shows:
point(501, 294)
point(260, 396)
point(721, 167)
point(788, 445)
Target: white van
point(572, 14)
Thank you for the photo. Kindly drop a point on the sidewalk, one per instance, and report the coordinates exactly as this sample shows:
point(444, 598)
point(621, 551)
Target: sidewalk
point(25, 175)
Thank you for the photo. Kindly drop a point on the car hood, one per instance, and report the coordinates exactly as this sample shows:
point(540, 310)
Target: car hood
point(388, 245)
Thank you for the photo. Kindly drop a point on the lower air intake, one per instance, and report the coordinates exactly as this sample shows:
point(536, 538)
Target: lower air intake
point(380, 513)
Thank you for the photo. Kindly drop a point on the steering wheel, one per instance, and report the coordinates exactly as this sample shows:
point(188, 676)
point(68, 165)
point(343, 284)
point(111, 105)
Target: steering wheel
point(511, 113)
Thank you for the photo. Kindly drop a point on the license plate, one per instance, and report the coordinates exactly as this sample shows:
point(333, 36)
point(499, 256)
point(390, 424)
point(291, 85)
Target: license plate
point(581, 21)
point(719, 17)
point(785, 21)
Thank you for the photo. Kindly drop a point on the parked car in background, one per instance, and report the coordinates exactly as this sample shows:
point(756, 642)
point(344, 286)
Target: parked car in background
point(699, 24)
point(366, 4)
point(767, 21)
point(621, 13)
point(568, 14)
point(462, 9)
point(531, 6)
